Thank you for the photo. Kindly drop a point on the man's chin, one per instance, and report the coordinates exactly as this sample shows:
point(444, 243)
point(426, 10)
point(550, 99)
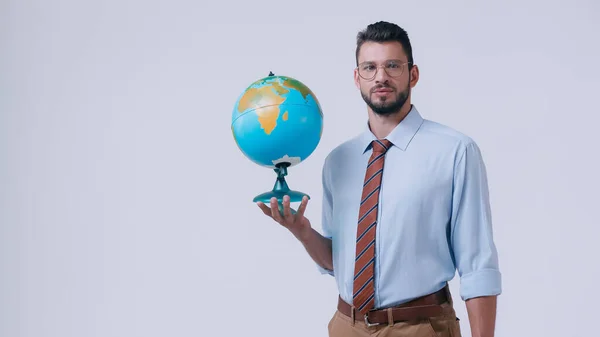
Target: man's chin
point(384, 109)
point(383, 101)
point(384, 105)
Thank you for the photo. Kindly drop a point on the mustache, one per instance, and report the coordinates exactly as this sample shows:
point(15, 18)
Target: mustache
point(382, 86)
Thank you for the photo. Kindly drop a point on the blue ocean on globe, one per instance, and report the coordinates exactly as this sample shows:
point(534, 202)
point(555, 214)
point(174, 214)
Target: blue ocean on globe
point(277, 120)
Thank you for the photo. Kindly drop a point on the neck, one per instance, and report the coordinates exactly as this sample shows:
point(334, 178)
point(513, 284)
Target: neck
point(381, 126)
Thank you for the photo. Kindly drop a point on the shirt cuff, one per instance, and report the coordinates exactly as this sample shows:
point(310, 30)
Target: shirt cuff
point(487, 282)
point(324, 271)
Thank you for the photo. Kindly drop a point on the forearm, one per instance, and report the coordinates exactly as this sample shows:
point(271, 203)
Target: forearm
point(482, 315)
point(318, 247)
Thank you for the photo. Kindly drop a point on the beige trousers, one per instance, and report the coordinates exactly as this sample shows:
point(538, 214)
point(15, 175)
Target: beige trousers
point(447, 325)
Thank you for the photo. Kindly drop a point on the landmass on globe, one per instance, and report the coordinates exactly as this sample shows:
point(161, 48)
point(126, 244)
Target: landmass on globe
point(267, 99)
point(287, 159)
point(277, 120)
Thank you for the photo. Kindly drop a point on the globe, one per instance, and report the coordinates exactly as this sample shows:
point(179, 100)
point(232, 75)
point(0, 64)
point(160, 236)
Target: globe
point(277, 123)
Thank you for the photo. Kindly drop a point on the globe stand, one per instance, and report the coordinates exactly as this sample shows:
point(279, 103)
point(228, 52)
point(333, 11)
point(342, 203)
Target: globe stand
point(280, 189)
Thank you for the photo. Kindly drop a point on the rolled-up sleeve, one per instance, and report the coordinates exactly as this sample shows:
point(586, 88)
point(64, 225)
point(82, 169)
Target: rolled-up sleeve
point(472, 240)
point(327, 211)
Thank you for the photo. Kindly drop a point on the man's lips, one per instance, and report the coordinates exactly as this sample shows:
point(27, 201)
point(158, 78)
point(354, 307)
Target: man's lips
point(383, 90)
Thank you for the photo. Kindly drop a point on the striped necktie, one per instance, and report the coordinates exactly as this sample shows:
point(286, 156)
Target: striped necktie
point(364, 290)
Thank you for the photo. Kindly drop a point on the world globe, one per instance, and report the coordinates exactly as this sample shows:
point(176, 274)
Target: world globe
point(277, 122)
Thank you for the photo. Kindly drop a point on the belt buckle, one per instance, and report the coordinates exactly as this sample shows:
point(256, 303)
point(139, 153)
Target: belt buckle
point(369, 324)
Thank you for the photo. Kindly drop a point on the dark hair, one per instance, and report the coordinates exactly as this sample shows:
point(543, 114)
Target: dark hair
point(384, 32)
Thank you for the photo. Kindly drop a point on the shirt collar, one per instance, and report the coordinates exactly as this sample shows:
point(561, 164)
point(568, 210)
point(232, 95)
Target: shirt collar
point(401, 135)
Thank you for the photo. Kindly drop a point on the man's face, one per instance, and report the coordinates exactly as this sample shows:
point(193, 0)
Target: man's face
point(387, 91)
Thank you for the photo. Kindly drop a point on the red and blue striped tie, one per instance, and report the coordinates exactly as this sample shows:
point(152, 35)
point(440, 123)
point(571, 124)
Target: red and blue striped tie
point(364, 290)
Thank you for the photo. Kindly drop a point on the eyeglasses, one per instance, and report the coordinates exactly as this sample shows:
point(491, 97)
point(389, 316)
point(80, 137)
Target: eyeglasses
point(394, 68)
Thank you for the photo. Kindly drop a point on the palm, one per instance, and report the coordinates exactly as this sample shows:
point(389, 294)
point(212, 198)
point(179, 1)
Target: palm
point(295, 221)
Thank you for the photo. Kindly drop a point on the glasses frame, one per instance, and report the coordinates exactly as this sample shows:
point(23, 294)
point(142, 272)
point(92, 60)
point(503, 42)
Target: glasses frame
point(402, 64)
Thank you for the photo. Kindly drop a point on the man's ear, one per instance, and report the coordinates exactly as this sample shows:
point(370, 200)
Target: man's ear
point(414, 76)
point(356, 79)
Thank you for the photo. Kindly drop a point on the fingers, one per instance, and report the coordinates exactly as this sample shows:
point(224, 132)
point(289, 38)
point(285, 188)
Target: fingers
point(272, 211)
point(264, 208)
point(287, 214)
point(302, 207)
point(275, 213)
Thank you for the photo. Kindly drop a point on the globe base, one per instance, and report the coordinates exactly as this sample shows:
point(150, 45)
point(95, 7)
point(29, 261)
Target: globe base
point(281, 189)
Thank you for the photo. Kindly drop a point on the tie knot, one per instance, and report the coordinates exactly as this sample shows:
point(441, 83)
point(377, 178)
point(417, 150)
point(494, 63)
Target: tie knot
point(381, 145)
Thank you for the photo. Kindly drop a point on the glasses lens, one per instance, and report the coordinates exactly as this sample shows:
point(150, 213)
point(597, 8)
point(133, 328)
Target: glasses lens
point(394, 68)
point(367, 70)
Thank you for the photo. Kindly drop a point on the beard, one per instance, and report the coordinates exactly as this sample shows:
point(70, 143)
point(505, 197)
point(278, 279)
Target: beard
point(387, 107)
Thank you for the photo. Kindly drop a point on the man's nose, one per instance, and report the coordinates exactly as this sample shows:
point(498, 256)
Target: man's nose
point(381, 75)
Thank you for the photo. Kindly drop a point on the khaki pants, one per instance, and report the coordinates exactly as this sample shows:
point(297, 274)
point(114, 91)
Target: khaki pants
point(447, 325)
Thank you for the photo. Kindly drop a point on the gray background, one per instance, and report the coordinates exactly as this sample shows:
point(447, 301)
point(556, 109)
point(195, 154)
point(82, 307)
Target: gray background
point(115, 219)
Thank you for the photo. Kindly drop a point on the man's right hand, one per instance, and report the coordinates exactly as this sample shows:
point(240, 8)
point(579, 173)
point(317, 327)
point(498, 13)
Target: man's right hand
point(297, 223)
point(317, 246)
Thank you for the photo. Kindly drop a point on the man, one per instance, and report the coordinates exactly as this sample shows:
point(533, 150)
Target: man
point(405, 205)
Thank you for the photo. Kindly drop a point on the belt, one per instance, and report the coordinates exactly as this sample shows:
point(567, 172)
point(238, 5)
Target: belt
point(417, 309)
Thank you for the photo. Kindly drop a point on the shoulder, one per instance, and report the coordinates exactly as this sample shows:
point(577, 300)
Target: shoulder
point(447, 137)
point(443, 132)
point(344, 152)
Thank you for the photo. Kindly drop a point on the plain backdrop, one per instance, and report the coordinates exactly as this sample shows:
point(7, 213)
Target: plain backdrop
point(126, 207)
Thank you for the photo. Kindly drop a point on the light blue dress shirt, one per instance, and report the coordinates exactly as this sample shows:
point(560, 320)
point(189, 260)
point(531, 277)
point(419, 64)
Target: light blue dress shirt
point(434, 213)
